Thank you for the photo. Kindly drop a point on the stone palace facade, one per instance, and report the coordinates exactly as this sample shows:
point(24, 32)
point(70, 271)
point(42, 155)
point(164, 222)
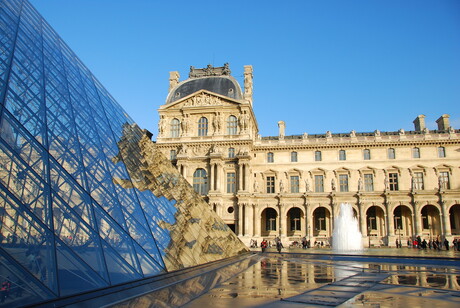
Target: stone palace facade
point(400, 184)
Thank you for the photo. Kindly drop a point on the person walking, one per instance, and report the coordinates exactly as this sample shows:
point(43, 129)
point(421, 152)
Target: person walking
point(263, 245)
point(279, 246)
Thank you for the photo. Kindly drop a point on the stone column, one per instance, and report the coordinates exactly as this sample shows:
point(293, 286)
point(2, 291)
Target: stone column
point(211, 178)
point(257, 218)
point(247, 219)
point(445, 217)
point(390, 221)
point(240, 219)
point(240, 177)
point(417, 220)
point(218, 177)
point(283, 224)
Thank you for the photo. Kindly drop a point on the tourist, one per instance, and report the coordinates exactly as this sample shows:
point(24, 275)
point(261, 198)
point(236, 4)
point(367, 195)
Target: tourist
point(454, 242)
point(446, 243)
point(279, 246)
point(263, 245)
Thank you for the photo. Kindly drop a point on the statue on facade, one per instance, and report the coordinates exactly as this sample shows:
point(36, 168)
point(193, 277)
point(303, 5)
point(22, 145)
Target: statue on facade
point(307, 185)
point(333, 184)
point(281, 186)
point(360, 183)
point(256, 186)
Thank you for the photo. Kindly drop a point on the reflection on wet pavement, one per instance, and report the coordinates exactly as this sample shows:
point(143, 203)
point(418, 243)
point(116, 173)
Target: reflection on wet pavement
point(286, 276)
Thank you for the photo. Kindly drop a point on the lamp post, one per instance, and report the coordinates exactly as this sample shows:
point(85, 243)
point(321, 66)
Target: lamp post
point(369, 235)
point(399, 233)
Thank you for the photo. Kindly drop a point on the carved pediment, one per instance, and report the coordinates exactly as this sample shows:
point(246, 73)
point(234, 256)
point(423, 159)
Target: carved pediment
point(202, 98)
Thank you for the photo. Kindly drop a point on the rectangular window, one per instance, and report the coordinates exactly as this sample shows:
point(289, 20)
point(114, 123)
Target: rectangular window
point(441, 152)
point(343, 182)
point(293, 157)
point(173, 155)
point(368, 182)
point(342, 155)
point(415, 153)
point(270, 157)
point(391, 153)
point(294, 184)
point(317, 155)
point(270, 184)
point(417, 181)
point(393, 181)
point(444, 180)
point(319, 183)
point(231, 153)
point(231, 182)
point(367, 154)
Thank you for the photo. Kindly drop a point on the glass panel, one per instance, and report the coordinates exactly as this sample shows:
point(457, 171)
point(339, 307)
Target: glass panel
point(74, 275)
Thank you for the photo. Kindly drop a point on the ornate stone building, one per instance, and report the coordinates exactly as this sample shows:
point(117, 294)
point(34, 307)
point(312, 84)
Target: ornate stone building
point(401, 184)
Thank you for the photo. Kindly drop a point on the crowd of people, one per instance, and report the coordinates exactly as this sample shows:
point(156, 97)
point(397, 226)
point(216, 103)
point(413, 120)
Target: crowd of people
point(435, 244)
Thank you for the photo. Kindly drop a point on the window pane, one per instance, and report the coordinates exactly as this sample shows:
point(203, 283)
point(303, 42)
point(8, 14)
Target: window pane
point(367, 154)
point(415, 153)
point(175, 128)
point(393, 178)
point(343, 182)
point(200, 183)
point(232, 125)
point(441, 152)
point(319, 183)
point(391, 154)
point(231, 153)
point(318, 156)
point(294, 184)
point(342, 155)
point(203, 127)
point(368, 182)
point(293, 157)
point(231, 182)
point(270, 158)
point(417, 181)
point(444, 180)
point(270, 184)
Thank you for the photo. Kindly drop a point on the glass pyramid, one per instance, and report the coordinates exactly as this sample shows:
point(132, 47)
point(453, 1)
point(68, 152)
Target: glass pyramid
point(86, 200)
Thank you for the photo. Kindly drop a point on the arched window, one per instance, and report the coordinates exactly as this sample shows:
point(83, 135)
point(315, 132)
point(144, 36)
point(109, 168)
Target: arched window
point(294, 217)
point(270, 222)
point(415, 153)
point(232, 125)
point(203, 127)
point(367, 154)
point(175, 128)
point(200, 181)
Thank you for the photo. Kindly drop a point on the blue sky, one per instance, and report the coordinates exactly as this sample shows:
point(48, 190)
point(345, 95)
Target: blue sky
point(318, 65)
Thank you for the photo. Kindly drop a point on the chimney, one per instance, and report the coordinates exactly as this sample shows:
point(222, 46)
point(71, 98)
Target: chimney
point(443, 122)
point(282, 127)
point(419, 123)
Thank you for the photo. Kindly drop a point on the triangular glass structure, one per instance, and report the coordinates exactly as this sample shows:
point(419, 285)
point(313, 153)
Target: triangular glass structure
point(87, 202)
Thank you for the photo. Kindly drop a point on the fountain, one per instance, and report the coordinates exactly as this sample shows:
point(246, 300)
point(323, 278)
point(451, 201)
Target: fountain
point(346, 235)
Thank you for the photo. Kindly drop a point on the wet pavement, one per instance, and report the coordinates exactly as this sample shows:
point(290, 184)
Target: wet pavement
point(381, 277)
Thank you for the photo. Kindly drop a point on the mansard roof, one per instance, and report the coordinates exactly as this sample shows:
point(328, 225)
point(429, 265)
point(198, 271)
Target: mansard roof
point(213, 79)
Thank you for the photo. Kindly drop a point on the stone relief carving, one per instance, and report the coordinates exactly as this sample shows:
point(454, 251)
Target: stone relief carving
point(209, 70)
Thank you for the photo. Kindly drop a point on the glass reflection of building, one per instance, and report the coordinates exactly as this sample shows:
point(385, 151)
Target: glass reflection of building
point(74, 217)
